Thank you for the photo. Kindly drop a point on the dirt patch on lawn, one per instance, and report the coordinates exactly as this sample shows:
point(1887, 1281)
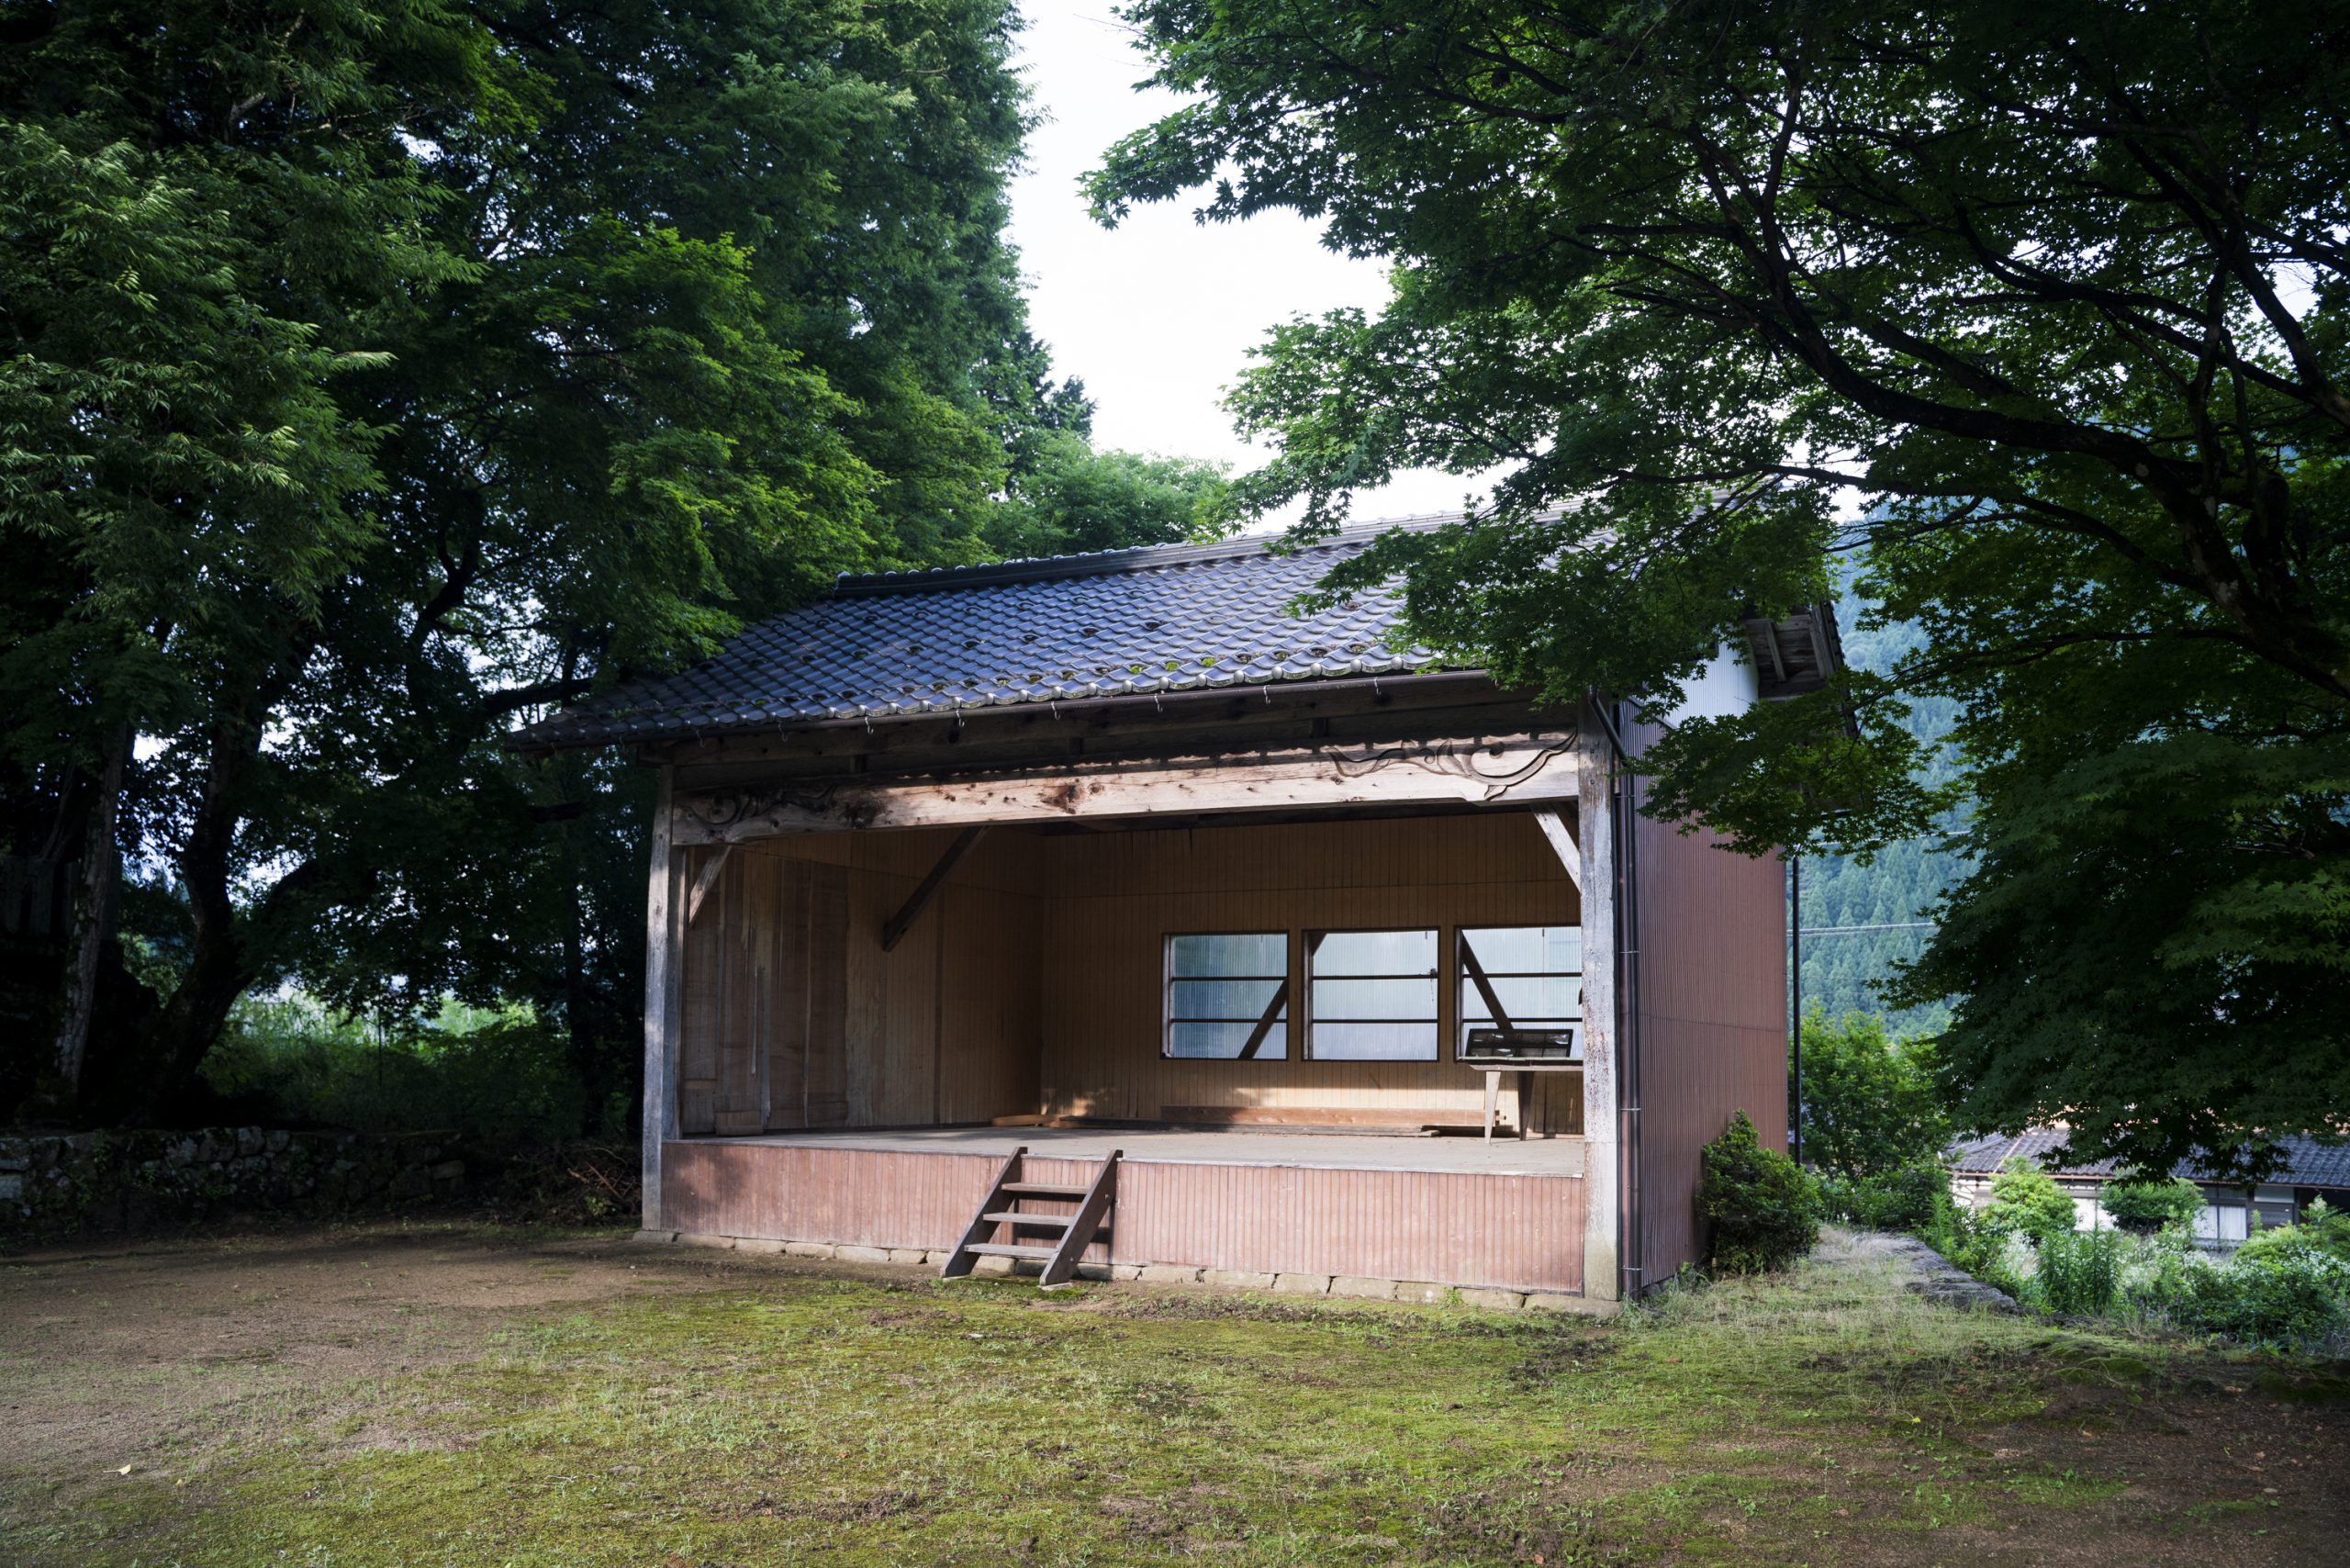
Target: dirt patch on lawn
point(114, 1355)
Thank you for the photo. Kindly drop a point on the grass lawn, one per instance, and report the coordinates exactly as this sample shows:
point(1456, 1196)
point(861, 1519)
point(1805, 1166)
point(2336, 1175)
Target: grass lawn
point(425, 1395)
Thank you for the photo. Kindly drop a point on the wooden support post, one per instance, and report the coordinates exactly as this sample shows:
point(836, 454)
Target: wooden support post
point(662, 953)
point(1603, 1178)
point(910, 911)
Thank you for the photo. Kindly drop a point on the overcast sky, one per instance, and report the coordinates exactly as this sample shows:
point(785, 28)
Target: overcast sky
point(1157, 316)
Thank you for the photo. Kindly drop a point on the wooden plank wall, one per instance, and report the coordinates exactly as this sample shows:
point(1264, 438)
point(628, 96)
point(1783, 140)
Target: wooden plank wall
point(1033, 979)
point(1117, 895)
point(1451, 1228)
point(1713, 1017)
point(793, 1016)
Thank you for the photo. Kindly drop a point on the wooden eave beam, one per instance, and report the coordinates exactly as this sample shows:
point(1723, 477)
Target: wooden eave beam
point(1473, 771)
point(1052, 725)
point(910, 911)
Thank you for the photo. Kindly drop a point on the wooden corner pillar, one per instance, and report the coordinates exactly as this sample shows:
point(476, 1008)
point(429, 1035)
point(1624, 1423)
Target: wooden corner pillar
point(1596, 827)
point(664, 949)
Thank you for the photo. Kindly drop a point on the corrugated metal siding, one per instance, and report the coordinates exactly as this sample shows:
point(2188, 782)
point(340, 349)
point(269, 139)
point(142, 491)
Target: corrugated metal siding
point(1509, 1231)
point(1713, 1006)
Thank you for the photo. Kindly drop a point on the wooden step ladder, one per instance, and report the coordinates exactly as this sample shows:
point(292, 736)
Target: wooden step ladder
point(1002, 1208)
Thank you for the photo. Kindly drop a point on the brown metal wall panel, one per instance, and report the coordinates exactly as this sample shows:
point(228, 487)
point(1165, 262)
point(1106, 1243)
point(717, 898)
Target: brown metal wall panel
point(1712, 1026)
point(1508, 1231)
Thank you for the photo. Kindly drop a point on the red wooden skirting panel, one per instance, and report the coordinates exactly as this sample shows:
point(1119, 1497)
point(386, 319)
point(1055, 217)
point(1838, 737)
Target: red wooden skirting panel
point(1454, 1227)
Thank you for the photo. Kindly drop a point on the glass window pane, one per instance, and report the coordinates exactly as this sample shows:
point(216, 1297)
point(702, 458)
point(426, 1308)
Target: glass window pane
point(1524, 997)
point(1224, 1040)
point(1373, 953)
point(1527, 949)
point(1391, 999)
point(1221, 999)
point(1374, 1042)
point(1259, 954)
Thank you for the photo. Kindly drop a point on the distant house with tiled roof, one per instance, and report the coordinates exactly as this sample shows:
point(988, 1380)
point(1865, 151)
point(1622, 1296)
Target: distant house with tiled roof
point(1105, 912)
point(2312, 1171)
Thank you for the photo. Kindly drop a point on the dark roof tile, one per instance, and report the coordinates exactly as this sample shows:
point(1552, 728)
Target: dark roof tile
point(2308, 1163)
point(1127, 623)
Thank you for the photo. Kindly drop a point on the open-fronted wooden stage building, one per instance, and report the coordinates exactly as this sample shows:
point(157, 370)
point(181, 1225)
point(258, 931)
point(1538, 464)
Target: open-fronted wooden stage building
point(1102, 912)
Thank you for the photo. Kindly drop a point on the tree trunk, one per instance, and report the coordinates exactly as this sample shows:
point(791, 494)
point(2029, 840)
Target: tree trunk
point(93, 928)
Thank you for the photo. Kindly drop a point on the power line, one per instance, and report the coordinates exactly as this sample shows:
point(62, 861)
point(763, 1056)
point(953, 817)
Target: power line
point(1889, 925)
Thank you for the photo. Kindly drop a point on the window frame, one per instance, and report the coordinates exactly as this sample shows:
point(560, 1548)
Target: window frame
point(1304, 958)
point(1284, 991)
point(1461, 977)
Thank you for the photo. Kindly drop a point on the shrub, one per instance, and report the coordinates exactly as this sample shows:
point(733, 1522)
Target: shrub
point(2078, 1273)
point(1762, 1209)
point(498, 1077)
point(1868, 1098)
point(1906, 1199)
point(2278, 1300)
point(2323, 1233)
point(2144, 1204)
point(2026, 1201)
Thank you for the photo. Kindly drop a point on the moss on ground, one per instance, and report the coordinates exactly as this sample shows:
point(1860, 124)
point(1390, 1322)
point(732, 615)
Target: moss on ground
point(797, 1417)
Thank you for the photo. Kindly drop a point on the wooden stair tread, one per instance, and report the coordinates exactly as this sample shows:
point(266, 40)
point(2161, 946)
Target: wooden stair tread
point(1000, 1208)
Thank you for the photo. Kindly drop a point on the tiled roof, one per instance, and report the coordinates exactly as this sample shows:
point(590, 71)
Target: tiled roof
point(2308, 1163)
point(1124, 622)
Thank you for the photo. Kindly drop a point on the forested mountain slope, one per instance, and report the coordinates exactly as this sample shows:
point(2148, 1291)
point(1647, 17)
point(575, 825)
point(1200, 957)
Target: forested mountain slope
point(1840, 966)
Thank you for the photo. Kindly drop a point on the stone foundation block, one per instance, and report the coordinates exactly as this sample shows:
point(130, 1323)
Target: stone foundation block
point(1363, 1289)
point(913, 1256)
point(1493, 1301)
point(716, 1243)
point(1238, 1279)
point(754, 1244)
point(1168, 1274)
point(1128, 1272)
point(997, 1266)
point(1301, 1285)
point(852, 1253)
point(1426, 1291)
point(807, 1248)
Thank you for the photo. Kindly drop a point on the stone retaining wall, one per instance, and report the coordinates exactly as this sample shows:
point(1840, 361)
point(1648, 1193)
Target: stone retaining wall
point(55, 1187)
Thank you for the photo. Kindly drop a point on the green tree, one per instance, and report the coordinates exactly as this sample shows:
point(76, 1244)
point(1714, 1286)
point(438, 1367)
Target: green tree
point(2057, 289)
point(2149, 1203)
point(2026, 1201)
point(207, 228)
point(374, 379)
point(1870, 1102)
point(1077, 498)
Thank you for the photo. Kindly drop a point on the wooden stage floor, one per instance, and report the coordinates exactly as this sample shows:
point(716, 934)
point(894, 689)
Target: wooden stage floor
point(1283, 1147)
